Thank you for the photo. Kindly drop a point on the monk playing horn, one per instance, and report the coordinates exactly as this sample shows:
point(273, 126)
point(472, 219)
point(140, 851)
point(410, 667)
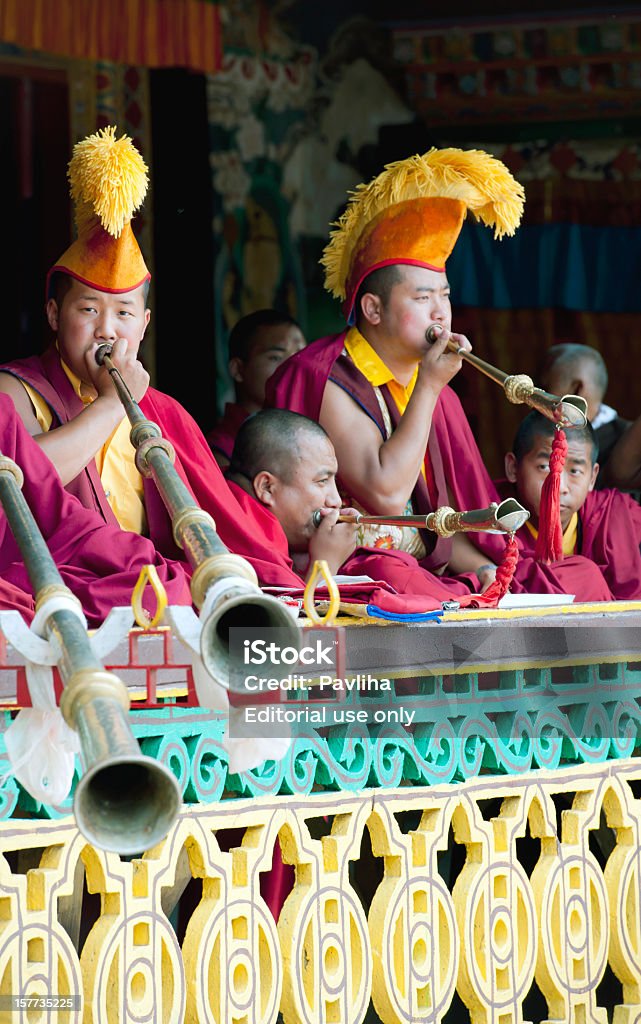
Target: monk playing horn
point(96, 293)
point(380, 388)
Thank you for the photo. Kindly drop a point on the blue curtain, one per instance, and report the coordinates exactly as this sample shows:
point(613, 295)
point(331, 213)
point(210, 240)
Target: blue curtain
point(566, 266)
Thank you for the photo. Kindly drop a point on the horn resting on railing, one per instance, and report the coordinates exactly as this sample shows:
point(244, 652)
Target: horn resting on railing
point(565, 410)
point(124, 801)
point(224, 586)
point(506, 517)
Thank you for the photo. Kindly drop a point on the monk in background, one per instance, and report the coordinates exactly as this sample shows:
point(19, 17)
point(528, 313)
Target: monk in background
point(581, 370)
point(258, 344)
point(601, 528)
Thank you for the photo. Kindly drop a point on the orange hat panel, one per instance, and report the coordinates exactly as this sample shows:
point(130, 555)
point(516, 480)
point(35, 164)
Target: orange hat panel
point(104, 262)
point(420, 232)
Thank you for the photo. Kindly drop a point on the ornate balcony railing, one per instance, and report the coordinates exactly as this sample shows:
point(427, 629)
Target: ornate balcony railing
point(484, 865)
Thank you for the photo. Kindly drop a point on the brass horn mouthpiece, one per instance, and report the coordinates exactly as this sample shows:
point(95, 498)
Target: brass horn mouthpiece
point(102, 351)
point(565, 411)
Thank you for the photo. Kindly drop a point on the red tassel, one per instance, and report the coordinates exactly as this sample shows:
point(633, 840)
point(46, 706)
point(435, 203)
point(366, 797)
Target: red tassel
point(501, 582)
point(549, 543)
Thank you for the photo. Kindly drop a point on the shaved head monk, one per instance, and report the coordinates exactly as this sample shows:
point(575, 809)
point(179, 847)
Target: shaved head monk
point(581, 370)
point(286, 464)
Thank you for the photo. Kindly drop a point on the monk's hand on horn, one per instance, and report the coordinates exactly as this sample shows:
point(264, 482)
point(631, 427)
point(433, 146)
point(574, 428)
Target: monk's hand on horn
point(333, 541)
point(441, 362)
point(124, 357)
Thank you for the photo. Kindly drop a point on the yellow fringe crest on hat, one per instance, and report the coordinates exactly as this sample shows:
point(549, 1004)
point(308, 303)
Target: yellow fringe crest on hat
point(108, 179)
point(473, 177)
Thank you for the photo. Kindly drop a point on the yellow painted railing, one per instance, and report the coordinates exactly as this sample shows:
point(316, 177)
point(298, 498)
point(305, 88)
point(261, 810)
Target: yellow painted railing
point(503, 900)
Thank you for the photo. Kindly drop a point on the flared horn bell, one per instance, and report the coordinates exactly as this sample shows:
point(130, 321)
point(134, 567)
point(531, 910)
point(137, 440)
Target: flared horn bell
point(510, 516)
point(565, 411)
point(235, 603)
point(125, 801)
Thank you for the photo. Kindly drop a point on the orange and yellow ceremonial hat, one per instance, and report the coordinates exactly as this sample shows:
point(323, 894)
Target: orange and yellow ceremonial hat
point(108, 181)
point(413, 212)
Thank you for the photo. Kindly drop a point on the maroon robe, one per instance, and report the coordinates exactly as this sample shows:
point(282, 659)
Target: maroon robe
point(221, 439)
point(100, 563)
point(299, 383)
point(240, 530)
point(608, 536)
point(14, 599)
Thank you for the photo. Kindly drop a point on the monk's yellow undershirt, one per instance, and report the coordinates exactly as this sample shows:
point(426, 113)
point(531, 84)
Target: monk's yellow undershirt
point(376, 372)
point(569, 535)
point(374, 369)
point(115, 461)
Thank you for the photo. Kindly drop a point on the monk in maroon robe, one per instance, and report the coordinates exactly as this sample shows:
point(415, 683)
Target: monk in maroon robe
point(241, 530)
point(459, 475)
point(286, 464)
point(600, 527)
point(258, 343)
point(96, 293)
point(100, 563)
point(380, 389)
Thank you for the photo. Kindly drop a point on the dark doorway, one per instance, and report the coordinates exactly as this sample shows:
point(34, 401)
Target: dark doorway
point(35, 144)
point(183, 274)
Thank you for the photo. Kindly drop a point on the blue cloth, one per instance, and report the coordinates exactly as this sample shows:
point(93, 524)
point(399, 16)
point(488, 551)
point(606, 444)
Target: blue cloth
point(378, 613)
point(568, 266)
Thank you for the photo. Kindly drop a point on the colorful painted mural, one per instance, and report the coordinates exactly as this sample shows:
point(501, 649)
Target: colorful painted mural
point(287, 130)
point(550, 69)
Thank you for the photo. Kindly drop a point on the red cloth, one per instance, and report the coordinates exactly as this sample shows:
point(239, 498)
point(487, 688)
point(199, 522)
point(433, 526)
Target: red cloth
point(98, 562)
point(222, 437)
point(609, 559)
point(611, 538)
point(240, 530)
point(299, 383)
point(12, 598)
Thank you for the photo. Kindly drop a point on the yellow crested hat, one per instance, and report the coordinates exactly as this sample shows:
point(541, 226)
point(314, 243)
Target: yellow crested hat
point(108, 183)
point(413, 212)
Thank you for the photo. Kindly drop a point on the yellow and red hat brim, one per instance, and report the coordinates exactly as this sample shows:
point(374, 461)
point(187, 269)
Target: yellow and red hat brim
point(417, 232)
point(101, 261)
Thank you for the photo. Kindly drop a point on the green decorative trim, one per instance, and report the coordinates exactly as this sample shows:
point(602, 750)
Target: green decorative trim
point(527, 720)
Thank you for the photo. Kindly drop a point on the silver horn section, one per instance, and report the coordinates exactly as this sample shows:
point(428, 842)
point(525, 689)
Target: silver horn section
point(236, 603)
point(223, 585)
point(568, 411)
point(125, 801)
point(505, 517)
